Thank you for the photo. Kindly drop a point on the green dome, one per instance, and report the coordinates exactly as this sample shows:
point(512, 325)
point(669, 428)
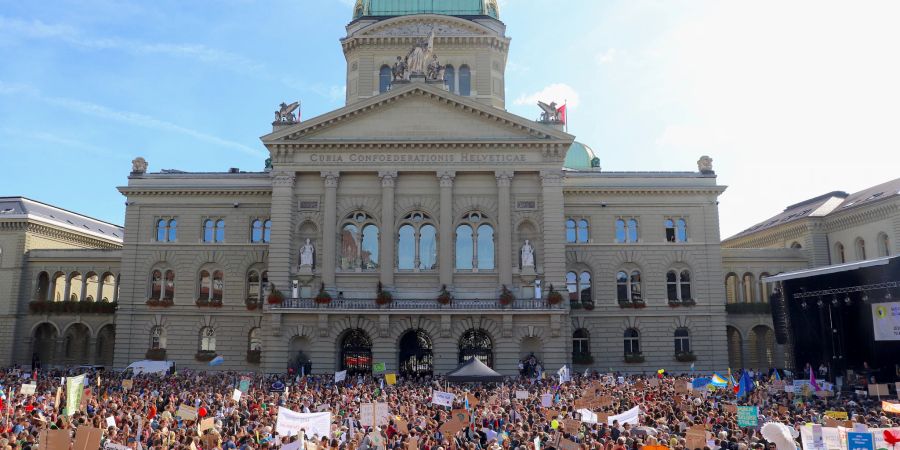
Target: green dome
point(580, 156)
point(409, 7)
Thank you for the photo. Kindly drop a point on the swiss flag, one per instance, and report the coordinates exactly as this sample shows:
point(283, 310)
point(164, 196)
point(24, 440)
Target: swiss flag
point(562, 113)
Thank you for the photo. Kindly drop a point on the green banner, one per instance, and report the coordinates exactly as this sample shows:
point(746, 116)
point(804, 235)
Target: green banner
point(74, 391)
point(378, 367)
point(747, 416)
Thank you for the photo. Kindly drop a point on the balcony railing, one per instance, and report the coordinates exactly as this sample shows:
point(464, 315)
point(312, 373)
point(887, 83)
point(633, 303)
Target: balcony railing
point(356, 304)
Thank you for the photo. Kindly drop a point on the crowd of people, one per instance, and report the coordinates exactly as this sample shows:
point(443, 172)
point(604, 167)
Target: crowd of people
point(514, 414)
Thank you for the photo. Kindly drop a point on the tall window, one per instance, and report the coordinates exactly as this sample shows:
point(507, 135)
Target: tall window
point(579, 286)
point(632, 340)
point(626, 230)
point(676, 230)
point(580, 343)
point(214, 230)
point(884, 245)
point(474, 243)
point(576, 230)
point(860, 249)
point(254, 342)
point(166, 230)
point(261, 231)
point(207, 339)
point(682, 340)
point(465, 80)
point(162, 284)
point(212, 285)
point(156, 284)
point(678, 285)
point(257, 284)
point(384, 79)
point(417, 243)
point(359, 242)
point(450, 78)
point(628, 287)
point(839, 253)
point(157, 337)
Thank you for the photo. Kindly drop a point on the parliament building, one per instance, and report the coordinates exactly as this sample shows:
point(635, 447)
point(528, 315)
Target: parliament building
point(418, 226)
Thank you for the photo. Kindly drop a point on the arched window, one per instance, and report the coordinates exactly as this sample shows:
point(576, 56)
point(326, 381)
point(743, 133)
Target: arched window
point(359, 242)
point(476, 343)
point(156, 278)
point(211, 285)
point(218, 285)
point(417, 243)
point(731, 288)
point(173, 230)
point(748, 291)
point(884, 245)
point(205, 285)
point(75, 284)
point(416, 353)
point(579, 286)
point(257, 284)
point(570, 231)
point(384, 79)
point(764, 288)
point(450, 78)
point(207, 339)
point(632, 230)
point(583, 230)
point(43, 287)
point(59, 286)
point(682, 340)
point(256, 231)
point(169, 285)
point(157, 337)
point(796, 246)
point(474, 243)
point(676, 230)
point(108, 289)
point(626, 230)
point(267, 230)
point(632, 341)
point(209, 229)
point(220, 230)
point(860, 249)
point(580, 343)
point(839, 253)
point(678, 285)
point(628, 287)
point(161, 230)
point(254, 341)
point(465, 81)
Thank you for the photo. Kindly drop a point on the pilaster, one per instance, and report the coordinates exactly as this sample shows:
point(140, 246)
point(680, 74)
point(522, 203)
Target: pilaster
point(282, 229)
point(445, 238)
point(554, 257)
point(329, 232)
point(386, 259)
point(504, 233)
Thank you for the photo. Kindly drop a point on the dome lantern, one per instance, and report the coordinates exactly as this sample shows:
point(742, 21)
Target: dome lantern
point(390, 8)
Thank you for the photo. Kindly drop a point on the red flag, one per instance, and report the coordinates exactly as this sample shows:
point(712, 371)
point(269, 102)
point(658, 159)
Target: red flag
point(562, 113)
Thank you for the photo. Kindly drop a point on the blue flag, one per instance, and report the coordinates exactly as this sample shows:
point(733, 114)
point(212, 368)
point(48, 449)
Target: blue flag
point(745, 385)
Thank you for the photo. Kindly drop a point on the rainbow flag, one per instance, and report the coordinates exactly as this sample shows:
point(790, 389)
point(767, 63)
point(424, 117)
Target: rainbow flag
point(718, 381)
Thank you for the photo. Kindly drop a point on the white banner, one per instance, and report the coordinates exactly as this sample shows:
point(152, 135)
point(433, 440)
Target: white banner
point(587, 416)
point(236, 395)
point(289, 423)
point(442, 398)
point(340, 376)
point(521, 395)
point(27, 389)
point(886, 321)
point(630, 416)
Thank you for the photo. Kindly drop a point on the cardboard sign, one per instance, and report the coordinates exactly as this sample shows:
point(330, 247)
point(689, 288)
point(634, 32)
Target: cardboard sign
point(28, 389)
point(412, 444)
point(473, 401)
point(654, 447)
point(88, 438)
point(186, 412)
point(605, 401)
point(565, 444)
point(695, 441)
point(459, 420)
point(551, 414)
point(236, 395)
point(571, 425)
point(547, 400)
point(681, 387)
point(878, 389)
point(127, 384)
point(654, 382)
point(207, 423)
point(729, 408)
point(402, 425)
point(54, 439)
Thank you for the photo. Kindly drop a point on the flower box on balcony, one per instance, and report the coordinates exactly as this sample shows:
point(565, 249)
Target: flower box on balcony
point(275, 296)
point(156, 354)
point(444, 297)
point(506, 296)
point(674, 303)
point(638, 304)
point(323, 297)
point(252, 304)
point(634, 358)
point(202, 302)
point(688, 302)
point(254, 356)
point(382, 297)
point(589, 306)
point(685, 357)
point(205, 356)
point(553, 297)
point(575, 305)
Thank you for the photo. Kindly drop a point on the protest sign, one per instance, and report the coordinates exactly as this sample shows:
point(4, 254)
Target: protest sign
point(630, 416)
point(878, 390)
point(340, 376)
point(87, 438)
point(412, 444)
point(54, 439)
point(442, 398)
point(289, 423)
point(681, 387)
point(74, 392)
point(565, 444)
point(604, 401)
point(236, 395)
point(654, 382)
point(244, 385)
point(729, 408)
point(547, 400)
point(376, 440)
point(186, 412)
point(587, 416)
point(111, 421)
point(860, 441)
point(890, 407)
point(113, 446)
point(747, 416)
point(839, 415)
point(127, 384)
point(378, 367)
point(458, 420)
point(571, 425)
point(473, 401)
point(28, 389)
point(390, 378)
point(521, 395)
point(207, 423)
point(402, 425)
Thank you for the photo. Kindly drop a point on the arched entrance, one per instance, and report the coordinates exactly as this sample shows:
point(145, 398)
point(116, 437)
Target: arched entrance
point(735, 347)
point(476, 343)
point(356, 352)
point(299, 361)
point(43, 344)
point(416, 357)
point(106, 341)
point(75, 347)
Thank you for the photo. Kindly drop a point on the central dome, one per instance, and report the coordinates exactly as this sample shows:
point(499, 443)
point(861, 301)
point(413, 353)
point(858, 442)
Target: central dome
point(370, 8)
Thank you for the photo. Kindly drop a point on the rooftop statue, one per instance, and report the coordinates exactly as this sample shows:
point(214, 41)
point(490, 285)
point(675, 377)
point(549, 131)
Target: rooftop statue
point(418, 57)
point(139, 165)
point(704, 164)
point(285, 113)
point(550, 112)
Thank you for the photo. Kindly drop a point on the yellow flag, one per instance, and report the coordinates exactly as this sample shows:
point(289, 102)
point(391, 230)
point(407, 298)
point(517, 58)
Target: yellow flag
point(391, 378)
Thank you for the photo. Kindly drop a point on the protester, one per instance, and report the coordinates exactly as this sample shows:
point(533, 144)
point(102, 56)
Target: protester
point(509, 415)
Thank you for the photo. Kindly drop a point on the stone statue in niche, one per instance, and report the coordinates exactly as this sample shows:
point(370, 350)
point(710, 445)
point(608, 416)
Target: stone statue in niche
point(307, 252)
point(139, 165)
point(527, 255)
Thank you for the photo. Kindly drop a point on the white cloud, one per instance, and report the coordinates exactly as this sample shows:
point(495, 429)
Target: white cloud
point(607, 56)
point(556, 92)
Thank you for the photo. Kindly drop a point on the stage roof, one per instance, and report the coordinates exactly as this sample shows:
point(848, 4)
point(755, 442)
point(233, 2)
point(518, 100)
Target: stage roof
point(828, 269)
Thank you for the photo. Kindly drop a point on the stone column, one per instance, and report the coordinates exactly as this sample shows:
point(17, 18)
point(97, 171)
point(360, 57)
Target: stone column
point(83, 294)
point(554, 254)
point(282, 231)
point(386, 250)
point(445, 250)
point(504, 231)
point(68, 287)
point(329, 232)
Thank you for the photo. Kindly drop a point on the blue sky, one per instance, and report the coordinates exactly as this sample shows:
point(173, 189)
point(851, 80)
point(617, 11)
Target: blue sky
point(791, 100)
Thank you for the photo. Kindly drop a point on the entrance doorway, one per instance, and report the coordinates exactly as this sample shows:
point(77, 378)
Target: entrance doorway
point(416, 357)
